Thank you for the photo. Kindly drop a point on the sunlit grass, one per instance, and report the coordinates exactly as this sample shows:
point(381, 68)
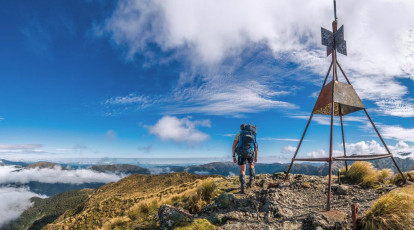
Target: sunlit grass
point(393, 211)
point(365, 174)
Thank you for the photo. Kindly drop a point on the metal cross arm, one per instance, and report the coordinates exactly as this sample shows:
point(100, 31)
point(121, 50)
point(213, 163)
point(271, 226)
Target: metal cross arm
point(334, 41)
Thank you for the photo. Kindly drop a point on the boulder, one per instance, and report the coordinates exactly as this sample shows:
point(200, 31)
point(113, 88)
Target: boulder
point(171, 217)
point(342, 190)
point(224, 200)
point(329, 220)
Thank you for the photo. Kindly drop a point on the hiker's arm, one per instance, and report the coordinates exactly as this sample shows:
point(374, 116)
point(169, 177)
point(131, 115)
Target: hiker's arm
point(255, 151)
point(234, 150)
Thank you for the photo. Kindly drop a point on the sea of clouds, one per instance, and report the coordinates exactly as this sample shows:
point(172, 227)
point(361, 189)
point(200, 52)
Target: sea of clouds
point(15, 200)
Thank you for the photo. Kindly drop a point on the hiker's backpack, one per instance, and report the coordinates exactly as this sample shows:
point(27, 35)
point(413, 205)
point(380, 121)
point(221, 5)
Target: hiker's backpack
point(247, 139)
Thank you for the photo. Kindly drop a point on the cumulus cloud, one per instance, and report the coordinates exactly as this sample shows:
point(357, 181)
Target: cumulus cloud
point(364, 147)
point(400, 149)
point(288, 149)
point(319, 153)
point(13, 202)
point(179, 130)
point(11, 174)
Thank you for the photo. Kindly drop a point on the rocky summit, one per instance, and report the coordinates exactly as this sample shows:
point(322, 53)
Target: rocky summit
point(298, 203)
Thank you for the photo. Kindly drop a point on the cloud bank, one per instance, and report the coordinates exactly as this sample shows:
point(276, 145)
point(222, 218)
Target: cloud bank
point(13, 202)
point(10, 174)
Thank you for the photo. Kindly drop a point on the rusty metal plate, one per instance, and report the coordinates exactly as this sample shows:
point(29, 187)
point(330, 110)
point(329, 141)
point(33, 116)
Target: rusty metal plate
point(334, 41)
point(327, 38)
point(344, 95)
point(340, 42)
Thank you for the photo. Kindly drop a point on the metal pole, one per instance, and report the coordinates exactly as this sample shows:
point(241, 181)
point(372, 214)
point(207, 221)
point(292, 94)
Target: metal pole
point(307, 125)
point(327, 74)
point(386, 147)
point(343, 137)
point(297, 149)
point(346, 78)
point(334, 76)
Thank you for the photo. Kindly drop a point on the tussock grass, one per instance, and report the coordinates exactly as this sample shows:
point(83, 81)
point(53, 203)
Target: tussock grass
point(364, 173)
point(143, 210)
point(199, 224)
point(397, 179)
point(384, 174)
point(194, 202)
point(393, 211)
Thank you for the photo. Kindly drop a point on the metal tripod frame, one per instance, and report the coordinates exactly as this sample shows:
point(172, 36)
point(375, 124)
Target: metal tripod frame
point(339, 112)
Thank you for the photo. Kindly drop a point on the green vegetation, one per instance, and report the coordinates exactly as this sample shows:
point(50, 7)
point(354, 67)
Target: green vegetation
point(198, 224)
point(393, 211)
point(397, 179)
point(364, 173)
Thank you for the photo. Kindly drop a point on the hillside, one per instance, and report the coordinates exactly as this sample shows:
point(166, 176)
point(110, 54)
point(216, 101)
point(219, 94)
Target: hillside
point(42, 164)
point(120, 168)
point(189, 201)
point(45, 211)
point(115, 203)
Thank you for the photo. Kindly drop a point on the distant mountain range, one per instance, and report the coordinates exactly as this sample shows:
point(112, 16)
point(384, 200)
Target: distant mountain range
point(215, 168)
point(229, 168)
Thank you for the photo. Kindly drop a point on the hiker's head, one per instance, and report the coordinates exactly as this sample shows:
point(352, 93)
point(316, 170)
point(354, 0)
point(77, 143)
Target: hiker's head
point(242, 126)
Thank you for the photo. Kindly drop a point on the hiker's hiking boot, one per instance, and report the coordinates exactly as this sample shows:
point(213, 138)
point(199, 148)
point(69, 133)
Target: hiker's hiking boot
point(242, 179)
point(252, 176)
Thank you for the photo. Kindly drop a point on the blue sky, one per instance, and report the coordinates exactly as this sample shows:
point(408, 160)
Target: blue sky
point(177, 78)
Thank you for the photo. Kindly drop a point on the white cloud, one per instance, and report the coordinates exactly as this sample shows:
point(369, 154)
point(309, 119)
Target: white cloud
point(363, 148)
point(379, 34)
point(202, 172)
point(130, 99)
point(397, 132)
point(225, 95)
point(320, 119)
point(396, 107)
point(400, 149)
point(316, 154)
point(13, 202)
point(288, 149)
point(10, 174)
point(22, 148)
point(179, 130)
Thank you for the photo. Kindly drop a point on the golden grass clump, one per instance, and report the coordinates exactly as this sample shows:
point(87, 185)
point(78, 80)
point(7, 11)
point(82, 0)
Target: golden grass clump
point(143, 210)
point(393, 211)
point(201, 197)
point(363, 172)
point(397, 179)
point(384, 174)
point(359, 170)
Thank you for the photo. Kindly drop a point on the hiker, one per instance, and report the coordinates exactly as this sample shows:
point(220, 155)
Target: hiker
point(245, 146)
